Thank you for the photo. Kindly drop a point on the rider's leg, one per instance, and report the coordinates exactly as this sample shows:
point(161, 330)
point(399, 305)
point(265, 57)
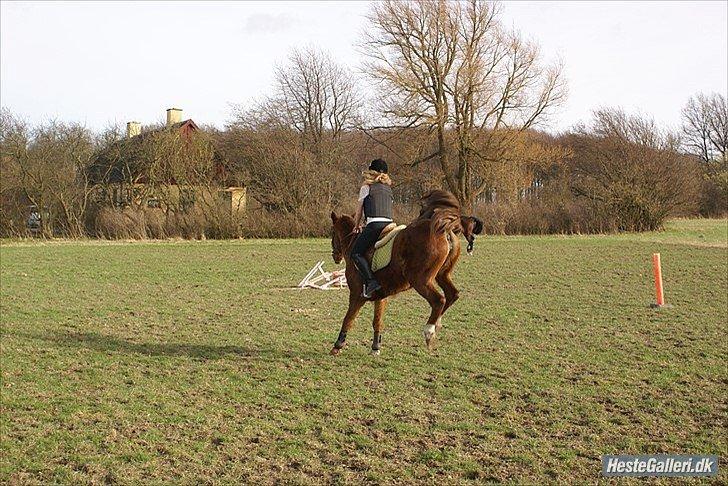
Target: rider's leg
point(366, 239)
point(369, 283)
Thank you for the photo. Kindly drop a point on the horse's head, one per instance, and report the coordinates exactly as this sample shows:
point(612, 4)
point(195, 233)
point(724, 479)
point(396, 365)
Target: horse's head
point(341, 235)
point(471, 226)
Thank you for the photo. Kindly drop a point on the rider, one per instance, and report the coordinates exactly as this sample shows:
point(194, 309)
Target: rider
point(375, 204)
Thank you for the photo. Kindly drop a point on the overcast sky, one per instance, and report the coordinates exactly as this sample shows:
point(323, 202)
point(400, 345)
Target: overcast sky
point(103, 63)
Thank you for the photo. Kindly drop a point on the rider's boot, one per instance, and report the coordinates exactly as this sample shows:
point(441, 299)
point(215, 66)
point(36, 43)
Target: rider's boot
point(370, 284)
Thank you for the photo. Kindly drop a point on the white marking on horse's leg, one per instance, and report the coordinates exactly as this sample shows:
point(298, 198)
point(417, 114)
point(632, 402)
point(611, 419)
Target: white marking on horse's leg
point(375, 352)
point(429, 332)
point(438, 324)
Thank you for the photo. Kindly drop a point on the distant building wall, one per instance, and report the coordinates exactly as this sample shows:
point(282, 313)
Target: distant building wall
point(238, 198)
point(172, 196)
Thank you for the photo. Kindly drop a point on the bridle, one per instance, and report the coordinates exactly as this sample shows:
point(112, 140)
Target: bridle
point(351, 242)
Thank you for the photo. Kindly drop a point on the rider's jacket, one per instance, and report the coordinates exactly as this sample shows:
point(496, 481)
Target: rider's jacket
point(378, 204)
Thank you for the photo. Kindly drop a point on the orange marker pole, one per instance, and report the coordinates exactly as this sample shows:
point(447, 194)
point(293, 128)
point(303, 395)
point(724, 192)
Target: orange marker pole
point(657, 268)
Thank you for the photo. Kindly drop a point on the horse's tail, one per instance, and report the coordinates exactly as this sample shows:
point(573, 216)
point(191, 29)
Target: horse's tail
point(445, 220)
point(443, 210)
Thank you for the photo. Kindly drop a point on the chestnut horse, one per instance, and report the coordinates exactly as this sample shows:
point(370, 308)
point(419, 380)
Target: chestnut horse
point(423, 254)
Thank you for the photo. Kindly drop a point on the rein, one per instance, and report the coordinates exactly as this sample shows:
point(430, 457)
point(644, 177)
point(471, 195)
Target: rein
point(347, 249)
point(352, 240)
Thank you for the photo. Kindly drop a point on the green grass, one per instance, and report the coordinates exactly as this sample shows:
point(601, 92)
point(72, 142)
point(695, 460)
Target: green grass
point(195, 362)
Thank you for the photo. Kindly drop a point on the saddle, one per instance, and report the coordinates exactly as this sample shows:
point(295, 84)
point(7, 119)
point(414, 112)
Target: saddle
point(383, 247)
point(389, 232)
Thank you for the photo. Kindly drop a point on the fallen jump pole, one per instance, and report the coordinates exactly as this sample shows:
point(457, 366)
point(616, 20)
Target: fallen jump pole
point(657, 269)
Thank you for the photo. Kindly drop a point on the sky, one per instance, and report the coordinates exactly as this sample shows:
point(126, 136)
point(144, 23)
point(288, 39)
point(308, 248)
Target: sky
point(108, 63)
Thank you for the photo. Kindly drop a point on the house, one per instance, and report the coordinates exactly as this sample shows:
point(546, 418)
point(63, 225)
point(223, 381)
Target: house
point(166, 167)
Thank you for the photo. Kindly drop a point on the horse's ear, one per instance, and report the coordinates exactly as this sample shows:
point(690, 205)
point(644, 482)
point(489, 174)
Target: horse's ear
point(334, 217)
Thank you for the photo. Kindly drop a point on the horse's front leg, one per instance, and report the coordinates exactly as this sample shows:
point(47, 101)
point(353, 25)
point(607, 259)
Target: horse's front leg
point(356, 301)
point(377, 324)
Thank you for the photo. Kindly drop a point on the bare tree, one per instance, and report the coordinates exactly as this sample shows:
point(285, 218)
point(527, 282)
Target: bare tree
point(313, 95)
point(50, 163)
point(14, 139)
point(705, 127)
point(451, 68)
point(294, 144)
point(629, 168)
point(282, 176)
point(705, 135)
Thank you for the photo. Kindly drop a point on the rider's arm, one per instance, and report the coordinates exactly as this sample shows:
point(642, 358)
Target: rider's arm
point(359, 214)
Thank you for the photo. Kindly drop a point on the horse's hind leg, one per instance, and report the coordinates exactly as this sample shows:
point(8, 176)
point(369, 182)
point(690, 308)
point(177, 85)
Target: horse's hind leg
point(437, 303)
point(355, 304)
point(377, 324)
point(444, 280)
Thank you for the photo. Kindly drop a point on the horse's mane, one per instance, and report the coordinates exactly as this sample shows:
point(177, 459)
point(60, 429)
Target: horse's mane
point(442, 209)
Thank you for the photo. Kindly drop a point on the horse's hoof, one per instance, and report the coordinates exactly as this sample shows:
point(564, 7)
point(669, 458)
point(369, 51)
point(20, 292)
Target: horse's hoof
point(375, 352)
point(338, 346)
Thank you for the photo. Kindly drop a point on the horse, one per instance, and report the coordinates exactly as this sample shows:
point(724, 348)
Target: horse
point(423, 254)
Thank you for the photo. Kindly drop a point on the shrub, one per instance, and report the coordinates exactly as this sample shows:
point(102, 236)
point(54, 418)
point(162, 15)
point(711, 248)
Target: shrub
point(116, 224)
point(538, 217)
point(714, 190)
point(625, 167)
point(154, 223)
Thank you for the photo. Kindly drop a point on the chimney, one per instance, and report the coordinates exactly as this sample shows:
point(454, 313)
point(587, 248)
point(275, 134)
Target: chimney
point(174, 115)
point(133, 129)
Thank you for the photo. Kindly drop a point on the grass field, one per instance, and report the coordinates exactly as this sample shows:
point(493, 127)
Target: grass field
point(195, 362)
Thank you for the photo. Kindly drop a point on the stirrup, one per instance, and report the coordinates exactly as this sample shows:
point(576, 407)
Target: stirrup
point(369, 288)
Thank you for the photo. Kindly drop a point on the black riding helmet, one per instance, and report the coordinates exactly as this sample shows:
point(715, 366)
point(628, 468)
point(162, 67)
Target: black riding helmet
point(379, 165)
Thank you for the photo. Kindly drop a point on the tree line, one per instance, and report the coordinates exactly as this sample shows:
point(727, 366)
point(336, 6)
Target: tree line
point(460, 102)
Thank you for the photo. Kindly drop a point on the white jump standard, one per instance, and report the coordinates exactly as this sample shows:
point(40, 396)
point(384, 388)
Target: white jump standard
point(316, 278)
